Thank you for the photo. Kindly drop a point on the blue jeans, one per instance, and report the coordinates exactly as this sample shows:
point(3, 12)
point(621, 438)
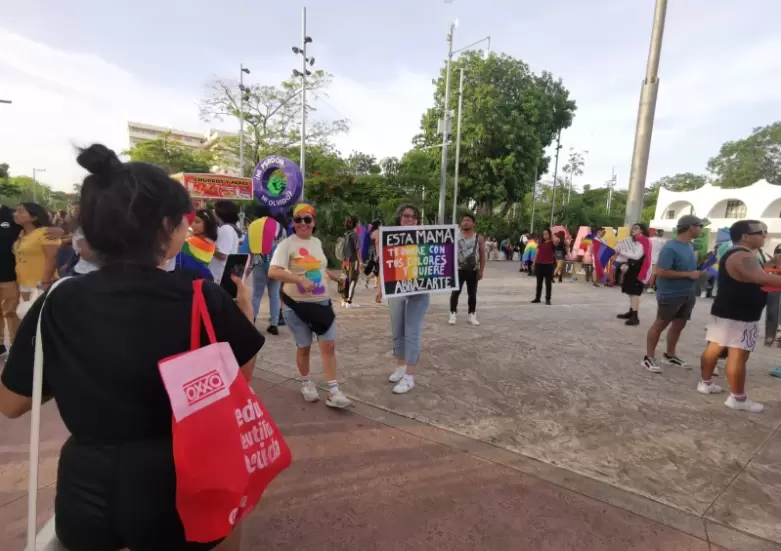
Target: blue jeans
point(302, 333)
point(260, 281)
point(406, 315)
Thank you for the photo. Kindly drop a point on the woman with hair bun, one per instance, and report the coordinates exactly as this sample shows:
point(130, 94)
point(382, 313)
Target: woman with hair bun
point(116, 483)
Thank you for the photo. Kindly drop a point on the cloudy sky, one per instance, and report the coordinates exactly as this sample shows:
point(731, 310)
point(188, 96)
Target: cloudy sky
point(77, 71)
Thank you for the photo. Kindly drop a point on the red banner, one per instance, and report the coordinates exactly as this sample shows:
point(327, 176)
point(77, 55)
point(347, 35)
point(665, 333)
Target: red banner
point(217, 186)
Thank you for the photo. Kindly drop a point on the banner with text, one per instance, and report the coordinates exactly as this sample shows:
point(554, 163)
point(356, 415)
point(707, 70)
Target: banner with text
point(418, 259)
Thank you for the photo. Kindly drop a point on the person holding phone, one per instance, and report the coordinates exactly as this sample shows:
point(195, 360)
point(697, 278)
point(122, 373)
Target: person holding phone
point(301, 265)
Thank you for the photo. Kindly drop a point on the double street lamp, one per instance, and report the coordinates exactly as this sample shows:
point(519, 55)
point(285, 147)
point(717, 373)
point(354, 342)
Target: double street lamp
point(303, 73)
point(446, 121)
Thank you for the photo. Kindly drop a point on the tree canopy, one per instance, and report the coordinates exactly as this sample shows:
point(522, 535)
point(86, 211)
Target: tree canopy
point(743, 162)
point(171, 156)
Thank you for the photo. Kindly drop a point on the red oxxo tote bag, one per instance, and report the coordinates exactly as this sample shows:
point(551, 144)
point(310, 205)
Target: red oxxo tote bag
point(227, 448)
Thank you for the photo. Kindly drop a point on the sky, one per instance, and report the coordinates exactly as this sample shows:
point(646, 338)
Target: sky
point(78, 71)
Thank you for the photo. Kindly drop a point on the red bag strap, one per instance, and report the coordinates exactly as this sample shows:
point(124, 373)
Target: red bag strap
point(200, 313)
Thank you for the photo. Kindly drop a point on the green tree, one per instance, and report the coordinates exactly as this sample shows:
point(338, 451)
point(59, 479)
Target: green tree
point(510, 115)
point(574, 167)
point(170, 155)
point(363, 163)
point(272, 116)
point(743, 162)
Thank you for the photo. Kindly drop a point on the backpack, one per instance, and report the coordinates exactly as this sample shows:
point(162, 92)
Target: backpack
point(469, 264)
point(339, 248)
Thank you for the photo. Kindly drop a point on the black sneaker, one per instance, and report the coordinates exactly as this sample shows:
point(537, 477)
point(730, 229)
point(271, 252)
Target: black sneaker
point(547, 301)
point(272, 330)
point(536, 301)
point(651, 365)
point(674, 360)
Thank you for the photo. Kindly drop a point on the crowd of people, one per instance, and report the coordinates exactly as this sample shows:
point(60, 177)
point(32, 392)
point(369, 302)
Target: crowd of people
point(134, 245)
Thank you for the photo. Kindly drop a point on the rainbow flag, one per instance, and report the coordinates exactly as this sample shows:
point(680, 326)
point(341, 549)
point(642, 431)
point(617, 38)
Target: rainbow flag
point(587, 241)
point(195, 255)
point(530, 252)
point(262, 235)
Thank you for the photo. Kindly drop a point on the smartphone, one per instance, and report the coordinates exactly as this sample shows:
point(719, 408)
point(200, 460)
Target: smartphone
point(235, 264)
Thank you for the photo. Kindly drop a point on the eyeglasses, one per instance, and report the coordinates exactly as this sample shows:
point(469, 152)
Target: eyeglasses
point(406, 216)
point(303, 219)
point(758, 232)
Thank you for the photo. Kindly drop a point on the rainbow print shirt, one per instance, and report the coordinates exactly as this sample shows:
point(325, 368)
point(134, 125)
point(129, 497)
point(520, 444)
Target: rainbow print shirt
point(303, 257)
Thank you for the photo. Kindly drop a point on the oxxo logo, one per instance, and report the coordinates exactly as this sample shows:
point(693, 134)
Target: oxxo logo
point(203, 387)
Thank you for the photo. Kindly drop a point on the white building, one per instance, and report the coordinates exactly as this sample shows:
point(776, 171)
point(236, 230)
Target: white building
point(228, 163)
point(723, 207)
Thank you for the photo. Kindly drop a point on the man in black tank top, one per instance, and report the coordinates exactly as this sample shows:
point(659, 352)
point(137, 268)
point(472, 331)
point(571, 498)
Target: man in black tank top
point(736, 312)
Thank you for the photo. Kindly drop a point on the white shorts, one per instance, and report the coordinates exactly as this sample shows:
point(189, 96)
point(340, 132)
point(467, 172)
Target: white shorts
point(733, 333)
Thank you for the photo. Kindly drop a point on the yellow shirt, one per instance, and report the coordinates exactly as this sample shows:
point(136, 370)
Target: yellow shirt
point(31, 258)
point(303, 257)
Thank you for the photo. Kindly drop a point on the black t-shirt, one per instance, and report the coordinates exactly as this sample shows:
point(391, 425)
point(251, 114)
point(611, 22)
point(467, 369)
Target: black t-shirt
point(103, 336)
point(9, 233)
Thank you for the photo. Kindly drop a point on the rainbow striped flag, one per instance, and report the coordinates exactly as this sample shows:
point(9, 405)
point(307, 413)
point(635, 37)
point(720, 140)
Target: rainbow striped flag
point(195, 255)
point(530, 252)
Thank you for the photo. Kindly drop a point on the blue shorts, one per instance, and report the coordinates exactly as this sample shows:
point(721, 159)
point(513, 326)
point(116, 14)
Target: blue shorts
point(302, 334)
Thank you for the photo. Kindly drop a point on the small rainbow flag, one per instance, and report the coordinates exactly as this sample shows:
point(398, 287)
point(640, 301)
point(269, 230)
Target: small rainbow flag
point(262, 235)
point(196, 254)
point(586, 243)
point(530, 252)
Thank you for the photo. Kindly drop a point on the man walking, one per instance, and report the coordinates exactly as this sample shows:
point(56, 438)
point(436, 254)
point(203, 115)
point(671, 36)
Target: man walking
point(676, 275)
point(736, 312)
point(351, 265)
point(471, 262)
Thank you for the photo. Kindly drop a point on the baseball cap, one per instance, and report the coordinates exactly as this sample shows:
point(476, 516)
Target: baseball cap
point(688, 220)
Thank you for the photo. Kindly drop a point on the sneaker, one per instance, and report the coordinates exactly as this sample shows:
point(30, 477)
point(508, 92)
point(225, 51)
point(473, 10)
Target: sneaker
point(344, 304)
point(473, 319)
point(272, 330)
point(338, 400)
point(674, 360)
point(398, 375)
point(547, 301)
point(536, 301)
point(309, 391)
point(745, 405)
point(651, 365)
point(352, 305)
point(452, 319)
point(702, 388)
point(406, 384)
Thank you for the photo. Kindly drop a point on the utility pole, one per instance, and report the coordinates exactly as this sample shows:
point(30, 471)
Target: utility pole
point(303, 74)
point(645, 119)
point(242, 96)
point(610, 185)
point(534, 199)
point(555, 174)
point(445, 129)
point(458, 144)
point(35, 183)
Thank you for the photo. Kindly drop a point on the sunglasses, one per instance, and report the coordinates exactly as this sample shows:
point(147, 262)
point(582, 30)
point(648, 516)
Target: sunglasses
point(303, 219)
point(758, 232)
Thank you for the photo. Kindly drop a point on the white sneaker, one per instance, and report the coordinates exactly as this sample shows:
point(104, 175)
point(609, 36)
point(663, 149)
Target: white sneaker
point(406, 384)
point(309, 391)
point(352, 305)
point(344, 304)
point(651, 365)
point(745, 405)
point(702, 388)
point(338, 400)
point(398, 375)
point(473, 319)
point(452, 319)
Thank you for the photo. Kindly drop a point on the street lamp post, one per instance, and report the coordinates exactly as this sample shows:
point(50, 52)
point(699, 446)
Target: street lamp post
point(242, 98)
point(555, 175)
point(35, 183)
point(446, 118)
point(534, 200)
point(303, 73)
point(645, 119)
point(458, 144)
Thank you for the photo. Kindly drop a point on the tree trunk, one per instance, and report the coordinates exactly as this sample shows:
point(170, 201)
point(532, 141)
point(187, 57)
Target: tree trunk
point(506, 208)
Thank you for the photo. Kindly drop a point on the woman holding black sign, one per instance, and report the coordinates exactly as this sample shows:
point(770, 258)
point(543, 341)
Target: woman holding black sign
point(406, 315)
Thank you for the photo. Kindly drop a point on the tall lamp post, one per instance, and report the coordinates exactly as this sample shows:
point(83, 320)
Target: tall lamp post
point(243, 96)
point(35, 183)
point(458, 144)
point(645, 119)
point(303, 73)
point(555, 175)
point(445, 127)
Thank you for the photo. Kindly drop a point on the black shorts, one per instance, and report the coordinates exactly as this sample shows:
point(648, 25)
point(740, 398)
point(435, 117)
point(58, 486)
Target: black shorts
point(679, 308)
point(114, 497)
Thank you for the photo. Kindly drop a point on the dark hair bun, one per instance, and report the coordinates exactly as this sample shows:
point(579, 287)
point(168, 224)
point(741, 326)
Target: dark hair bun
point(99, 160)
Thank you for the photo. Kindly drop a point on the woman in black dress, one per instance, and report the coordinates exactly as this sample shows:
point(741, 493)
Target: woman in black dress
point(631, 284)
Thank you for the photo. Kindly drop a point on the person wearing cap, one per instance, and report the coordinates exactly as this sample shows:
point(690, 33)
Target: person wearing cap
point(676, 276)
